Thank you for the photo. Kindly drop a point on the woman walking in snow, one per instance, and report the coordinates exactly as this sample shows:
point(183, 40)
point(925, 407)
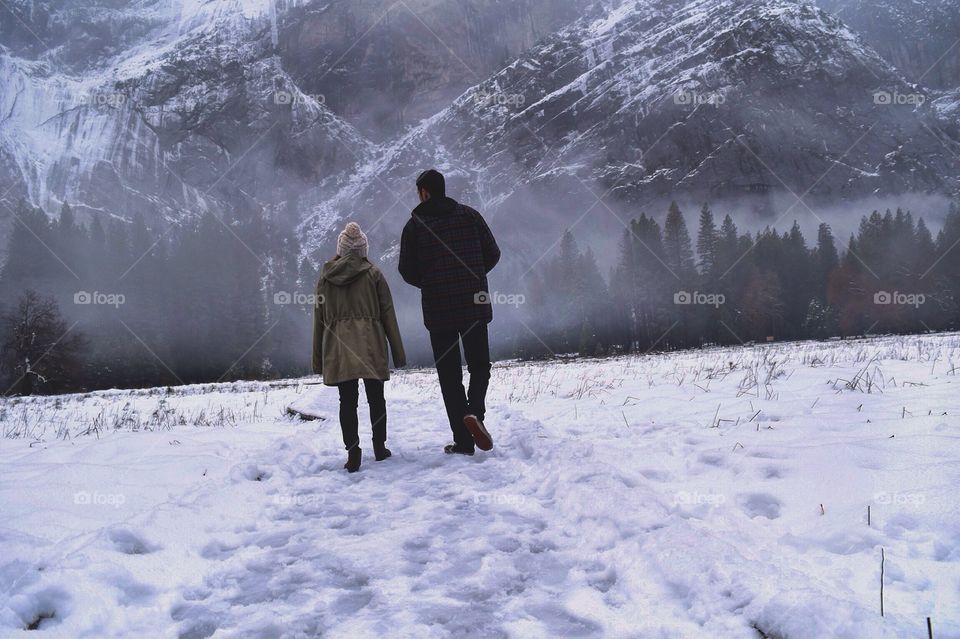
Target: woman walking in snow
point(353, 321)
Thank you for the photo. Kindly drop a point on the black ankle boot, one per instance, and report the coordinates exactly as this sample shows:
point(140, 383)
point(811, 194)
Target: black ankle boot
point(380, 451)
point(353, 459)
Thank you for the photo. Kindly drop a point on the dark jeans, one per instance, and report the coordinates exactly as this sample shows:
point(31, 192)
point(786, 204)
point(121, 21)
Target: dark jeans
point(446, 355)
point(350, 423)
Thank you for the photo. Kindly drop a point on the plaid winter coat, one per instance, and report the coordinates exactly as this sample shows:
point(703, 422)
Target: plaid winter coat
point(446, 251)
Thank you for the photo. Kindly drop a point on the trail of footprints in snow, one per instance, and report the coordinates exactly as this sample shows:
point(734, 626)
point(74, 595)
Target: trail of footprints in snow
point(49, 606)
point(468, 557)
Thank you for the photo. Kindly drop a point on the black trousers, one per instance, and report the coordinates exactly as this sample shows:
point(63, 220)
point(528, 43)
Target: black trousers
point(446, 355)
point(350, 423)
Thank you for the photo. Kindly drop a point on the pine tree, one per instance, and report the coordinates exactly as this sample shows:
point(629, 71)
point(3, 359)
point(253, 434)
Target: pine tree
point(568, 280)
point(794, 271)
point(677, 247)
point(708, 245)
point(623, 291)
point(654, 284)
point(31, 260)
point(97, 235)
point(733, 260)
point(826, 259)
point(596, 296)
point(945, 269)
point(66, 224)
point(678, 255)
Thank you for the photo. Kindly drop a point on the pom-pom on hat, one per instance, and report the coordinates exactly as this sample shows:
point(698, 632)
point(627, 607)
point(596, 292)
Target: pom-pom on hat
point(352, 241)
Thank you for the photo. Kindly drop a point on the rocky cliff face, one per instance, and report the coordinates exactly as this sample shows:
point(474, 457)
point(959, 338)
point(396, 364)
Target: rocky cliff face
point(200, 127)
point(304, 108)
point(387, 65)
point(169, 107)
point(720, 100)
point(919, 37)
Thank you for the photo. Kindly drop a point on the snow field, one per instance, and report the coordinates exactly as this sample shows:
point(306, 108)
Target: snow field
point(716, 493)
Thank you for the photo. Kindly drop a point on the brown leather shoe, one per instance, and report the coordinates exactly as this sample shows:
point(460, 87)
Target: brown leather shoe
point(480, 435)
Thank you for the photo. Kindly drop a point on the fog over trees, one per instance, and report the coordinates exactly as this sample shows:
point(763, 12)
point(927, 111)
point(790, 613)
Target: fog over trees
point(116, 303)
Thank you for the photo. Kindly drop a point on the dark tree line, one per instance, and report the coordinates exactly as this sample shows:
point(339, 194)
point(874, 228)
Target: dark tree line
point(202, 301)
point(115, 302)
point(669, 291)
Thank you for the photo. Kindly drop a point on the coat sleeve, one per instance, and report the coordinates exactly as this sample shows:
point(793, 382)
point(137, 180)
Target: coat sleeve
point(318, 329)
point(388, 318)
point(409, 260)
point(488, 244)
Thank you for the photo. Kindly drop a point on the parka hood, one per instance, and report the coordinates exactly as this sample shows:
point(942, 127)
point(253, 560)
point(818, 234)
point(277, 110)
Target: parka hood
point(341, 271)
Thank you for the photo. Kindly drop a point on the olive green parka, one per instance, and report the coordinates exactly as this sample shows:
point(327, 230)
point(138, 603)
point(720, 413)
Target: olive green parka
point(353, 320)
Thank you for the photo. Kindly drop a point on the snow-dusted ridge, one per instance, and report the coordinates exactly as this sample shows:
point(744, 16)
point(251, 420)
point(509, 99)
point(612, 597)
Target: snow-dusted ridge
point(181, 88)
point(155, 127)
point(723, 100)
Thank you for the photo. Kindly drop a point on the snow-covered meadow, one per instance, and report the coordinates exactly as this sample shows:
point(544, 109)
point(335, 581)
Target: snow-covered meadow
point(716, 493)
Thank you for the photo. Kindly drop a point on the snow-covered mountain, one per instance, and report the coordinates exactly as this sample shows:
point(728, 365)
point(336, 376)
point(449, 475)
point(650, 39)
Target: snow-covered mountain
point(172, 106)
point(717, 99)
point(303, 108)
point(920, 37)
point(197, 114)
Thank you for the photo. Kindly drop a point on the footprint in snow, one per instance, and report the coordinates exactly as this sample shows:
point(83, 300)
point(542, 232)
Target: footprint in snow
point(131, 592)
point(760, 505)
point(768, 454)
point(199, 621)
point(42, 609)
point(772, 472)
point(602, 578)
point(249, 472)
point(218, 550)
point(130, 543)
point(712, 458)
point(561, 623)
point(271, 540)
point(656, 475)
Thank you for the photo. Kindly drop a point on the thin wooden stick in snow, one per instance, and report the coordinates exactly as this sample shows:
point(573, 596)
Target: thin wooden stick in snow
point(882, 557)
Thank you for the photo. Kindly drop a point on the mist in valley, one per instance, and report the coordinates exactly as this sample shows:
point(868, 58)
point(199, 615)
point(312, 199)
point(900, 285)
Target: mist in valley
point(170, 193)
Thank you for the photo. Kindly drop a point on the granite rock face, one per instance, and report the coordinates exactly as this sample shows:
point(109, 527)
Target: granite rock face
point(719, 100)
point(313, 110)
point(919, 37)
point(169, 107)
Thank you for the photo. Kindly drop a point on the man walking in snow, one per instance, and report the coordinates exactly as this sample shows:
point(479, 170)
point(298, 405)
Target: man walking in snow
point(446, 251)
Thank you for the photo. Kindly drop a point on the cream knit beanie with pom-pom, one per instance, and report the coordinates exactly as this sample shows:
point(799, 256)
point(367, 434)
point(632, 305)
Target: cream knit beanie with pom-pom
point(352, 241)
